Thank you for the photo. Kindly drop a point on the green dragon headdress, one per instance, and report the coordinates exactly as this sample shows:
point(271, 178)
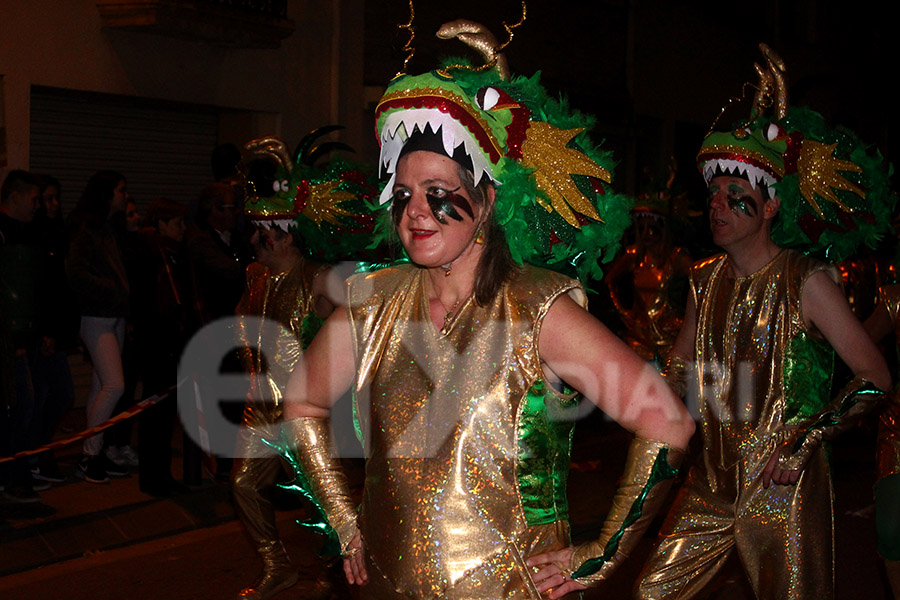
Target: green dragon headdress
point(835, 195)
point(331, 206)
point(552, 184)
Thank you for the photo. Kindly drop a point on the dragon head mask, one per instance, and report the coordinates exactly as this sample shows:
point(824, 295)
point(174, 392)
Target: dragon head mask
point(835, 195)
point(552, 184)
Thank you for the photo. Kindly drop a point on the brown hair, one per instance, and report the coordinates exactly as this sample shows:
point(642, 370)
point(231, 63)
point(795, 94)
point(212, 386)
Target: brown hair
point(496, 264)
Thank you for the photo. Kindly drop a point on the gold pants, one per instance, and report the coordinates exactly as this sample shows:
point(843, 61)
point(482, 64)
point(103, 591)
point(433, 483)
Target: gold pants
point(250, 477)
point(503, 576)
point(783, 535)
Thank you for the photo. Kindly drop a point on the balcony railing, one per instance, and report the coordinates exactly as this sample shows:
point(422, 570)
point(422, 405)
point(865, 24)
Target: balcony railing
point(232, 23)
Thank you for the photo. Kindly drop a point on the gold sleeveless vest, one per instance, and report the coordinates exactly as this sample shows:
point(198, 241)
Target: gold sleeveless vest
point(467, 454)
point(758, 366)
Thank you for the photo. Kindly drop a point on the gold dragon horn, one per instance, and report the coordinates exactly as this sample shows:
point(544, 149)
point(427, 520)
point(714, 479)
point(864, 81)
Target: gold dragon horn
point(271, 146)
point(480, 39)
point(772, 91)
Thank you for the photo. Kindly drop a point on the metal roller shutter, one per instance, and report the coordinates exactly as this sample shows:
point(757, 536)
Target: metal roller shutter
point(163, 148)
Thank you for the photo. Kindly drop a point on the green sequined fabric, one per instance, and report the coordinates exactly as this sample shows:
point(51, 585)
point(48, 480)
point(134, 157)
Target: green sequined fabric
point(545, 444)
point(808, 366)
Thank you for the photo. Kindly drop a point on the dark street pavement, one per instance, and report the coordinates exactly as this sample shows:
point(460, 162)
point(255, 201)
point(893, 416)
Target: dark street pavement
point(111, 542)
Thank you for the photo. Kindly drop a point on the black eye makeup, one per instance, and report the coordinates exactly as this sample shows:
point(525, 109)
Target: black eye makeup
point(738, 200)
point(401, 198)
point(445, 202)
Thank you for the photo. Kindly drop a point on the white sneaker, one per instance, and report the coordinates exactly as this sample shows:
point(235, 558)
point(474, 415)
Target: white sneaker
point(128, 454)
point(112, 453)
point(124, 456)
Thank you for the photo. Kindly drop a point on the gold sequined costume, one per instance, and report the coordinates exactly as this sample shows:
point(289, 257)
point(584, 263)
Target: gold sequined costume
point(285, 303)
point(758, 370)
point(467, 456)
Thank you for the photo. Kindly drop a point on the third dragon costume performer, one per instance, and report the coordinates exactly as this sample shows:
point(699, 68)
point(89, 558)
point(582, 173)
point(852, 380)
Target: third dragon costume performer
point(285, 302)
point(463, 360)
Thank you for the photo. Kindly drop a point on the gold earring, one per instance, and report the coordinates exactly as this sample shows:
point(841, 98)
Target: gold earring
point(479, 237)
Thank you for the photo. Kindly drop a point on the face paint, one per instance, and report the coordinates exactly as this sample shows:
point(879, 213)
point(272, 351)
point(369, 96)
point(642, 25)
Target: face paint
point(738, 199)
point(398, 205)
point(443, 202)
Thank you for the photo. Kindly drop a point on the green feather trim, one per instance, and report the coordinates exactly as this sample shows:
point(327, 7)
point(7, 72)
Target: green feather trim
point(841, 234)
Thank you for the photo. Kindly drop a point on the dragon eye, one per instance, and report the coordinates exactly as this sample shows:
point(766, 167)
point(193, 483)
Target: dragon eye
point(773, 131)
point(276, 185)
point(487, 98)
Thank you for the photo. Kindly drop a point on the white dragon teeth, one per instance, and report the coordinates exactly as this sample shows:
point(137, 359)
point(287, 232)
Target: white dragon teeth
point(754, 175)
point(396, 131)
point(284, 224)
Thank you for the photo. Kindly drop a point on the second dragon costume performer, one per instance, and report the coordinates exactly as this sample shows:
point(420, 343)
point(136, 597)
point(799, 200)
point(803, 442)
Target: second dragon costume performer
point(756, 353)
point(458, 375)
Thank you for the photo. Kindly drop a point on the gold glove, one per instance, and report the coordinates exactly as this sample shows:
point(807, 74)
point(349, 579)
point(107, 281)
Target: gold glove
point(857, 399)
point(328, 483)
point(649, 471)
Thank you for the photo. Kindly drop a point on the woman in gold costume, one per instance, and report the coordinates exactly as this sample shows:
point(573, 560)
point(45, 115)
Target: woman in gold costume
point(464, 360)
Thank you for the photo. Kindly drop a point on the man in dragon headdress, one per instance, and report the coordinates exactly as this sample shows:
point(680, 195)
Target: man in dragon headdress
point(755, 349)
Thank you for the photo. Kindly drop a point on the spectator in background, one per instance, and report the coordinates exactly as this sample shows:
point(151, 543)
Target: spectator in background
point(53, 389)
point(218, 250)
point(166, 315)
point(133, 217)
point(97, 276)
point(21, 261)
point(118, 437)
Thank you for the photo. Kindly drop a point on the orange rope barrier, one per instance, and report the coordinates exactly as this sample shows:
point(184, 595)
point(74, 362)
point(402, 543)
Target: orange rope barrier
point(125, 414)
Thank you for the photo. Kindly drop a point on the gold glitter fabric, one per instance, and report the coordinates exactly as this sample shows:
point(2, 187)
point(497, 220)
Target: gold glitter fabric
point(745, 330)
point(888, 452)
point(319, 463)
point(650, 468)
point(857, 399)
point(783, 534)
point(284, 301)
point(441, 413)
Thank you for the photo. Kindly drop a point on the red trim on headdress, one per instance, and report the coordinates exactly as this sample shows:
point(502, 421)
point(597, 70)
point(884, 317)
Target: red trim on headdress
point(449, 107)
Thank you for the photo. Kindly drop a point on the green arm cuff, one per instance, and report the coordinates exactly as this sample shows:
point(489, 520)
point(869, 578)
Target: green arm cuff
point(858, 398)
point(649, 471)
